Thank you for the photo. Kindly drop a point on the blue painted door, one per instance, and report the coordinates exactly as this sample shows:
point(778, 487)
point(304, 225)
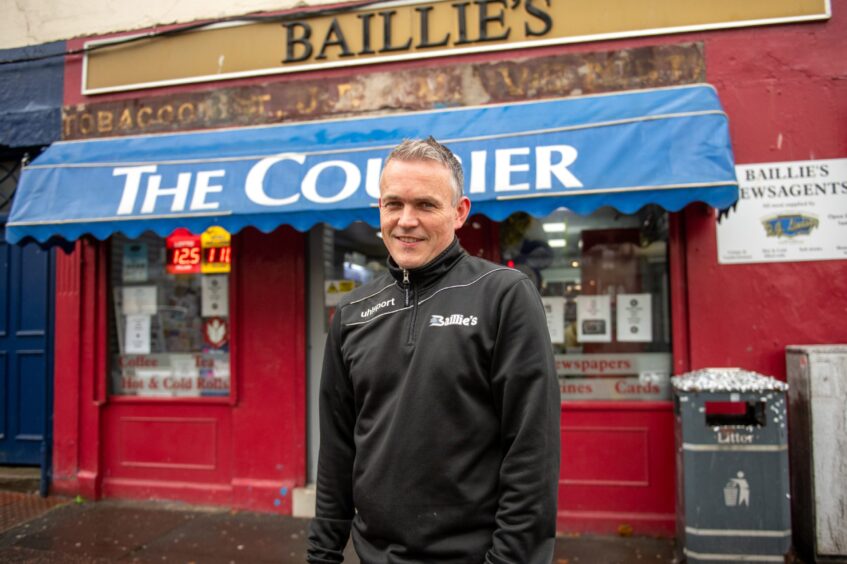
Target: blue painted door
point(26, 296)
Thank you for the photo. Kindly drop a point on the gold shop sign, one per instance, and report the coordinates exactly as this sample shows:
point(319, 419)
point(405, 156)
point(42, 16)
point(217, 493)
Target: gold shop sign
point(399, 31)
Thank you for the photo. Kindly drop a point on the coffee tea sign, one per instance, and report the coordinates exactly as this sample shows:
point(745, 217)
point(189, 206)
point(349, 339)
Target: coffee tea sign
point(398, 31)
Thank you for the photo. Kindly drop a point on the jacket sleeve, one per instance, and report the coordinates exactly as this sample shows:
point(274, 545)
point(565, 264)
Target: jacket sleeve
point(526, 395)
point(330, 529)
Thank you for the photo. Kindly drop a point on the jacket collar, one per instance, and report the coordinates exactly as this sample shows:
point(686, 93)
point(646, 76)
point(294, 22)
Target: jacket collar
point(432, 271)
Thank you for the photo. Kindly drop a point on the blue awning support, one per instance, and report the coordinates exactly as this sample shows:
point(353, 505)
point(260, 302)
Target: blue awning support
point(666, 146)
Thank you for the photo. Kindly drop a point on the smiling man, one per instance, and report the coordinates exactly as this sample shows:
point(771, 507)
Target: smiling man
point(439, 405)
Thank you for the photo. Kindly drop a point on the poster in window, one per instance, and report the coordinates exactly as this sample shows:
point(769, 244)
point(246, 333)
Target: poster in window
point(137, 334)
point(135, 263)
point(554, 309)
point(593, 319)
point(139, 300)
point(635, 318)
point(215, 295)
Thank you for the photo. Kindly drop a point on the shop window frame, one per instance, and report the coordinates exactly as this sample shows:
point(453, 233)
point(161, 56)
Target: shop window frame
point(103, 310)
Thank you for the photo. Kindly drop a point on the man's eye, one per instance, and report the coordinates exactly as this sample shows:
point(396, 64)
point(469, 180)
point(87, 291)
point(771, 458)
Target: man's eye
point(427, 205)
point(391, 205)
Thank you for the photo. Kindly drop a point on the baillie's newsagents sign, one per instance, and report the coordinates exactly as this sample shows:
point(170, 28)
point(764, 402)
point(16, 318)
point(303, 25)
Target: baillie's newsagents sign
point(787, 211)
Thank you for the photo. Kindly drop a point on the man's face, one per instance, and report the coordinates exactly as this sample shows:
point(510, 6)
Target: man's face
point(416, 211)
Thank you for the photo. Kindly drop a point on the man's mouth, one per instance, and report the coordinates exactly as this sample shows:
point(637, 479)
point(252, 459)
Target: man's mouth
point(407, 240)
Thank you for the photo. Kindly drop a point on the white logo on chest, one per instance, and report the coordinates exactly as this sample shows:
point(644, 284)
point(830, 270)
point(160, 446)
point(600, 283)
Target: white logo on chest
point(455, 319)
point(370, 311)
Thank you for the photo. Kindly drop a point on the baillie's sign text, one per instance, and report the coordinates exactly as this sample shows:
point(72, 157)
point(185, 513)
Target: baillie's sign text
point(439, 25)
point(402, 31)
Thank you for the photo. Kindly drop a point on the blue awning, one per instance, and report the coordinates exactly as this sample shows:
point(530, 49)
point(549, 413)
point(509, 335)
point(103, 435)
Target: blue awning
point(667, 146)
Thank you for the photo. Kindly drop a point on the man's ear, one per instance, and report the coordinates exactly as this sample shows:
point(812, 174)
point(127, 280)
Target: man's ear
point(463, 210)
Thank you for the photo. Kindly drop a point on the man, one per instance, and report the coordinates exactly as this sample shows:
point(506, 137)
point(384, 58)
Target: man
point(439, 406)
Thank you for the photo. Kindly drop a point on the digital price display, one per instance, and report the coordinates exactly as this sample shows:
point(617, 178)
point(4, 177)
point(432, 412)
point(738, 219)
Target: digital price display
point(217, 255)
point(209, 253)
point(184, 253)
point(217, 251)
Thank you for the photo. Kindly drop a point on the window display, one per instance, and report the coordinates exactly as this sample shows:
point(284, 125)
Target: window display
point(603, 279)
point(169, 331)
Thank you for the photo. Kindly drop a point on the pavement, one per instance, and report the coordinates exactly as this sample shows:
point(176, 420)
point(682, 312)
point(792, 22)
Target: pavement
point(65, 531)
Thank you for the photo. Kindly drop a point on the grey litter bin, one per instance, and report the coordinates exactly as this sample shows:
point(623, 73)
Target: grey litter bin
point(733, 502)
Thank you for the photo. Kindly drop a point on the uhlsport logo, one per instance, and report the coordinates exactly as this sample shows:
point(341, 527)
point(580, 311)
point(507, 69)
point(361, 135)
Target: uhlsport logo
point(454, 319)
point(372, 310)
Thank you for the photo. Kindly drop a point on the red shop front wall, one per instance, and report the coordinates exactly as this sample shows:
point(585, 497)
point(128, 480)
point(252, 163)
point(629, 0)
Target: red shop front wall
point(618, 468)
point(246, 451)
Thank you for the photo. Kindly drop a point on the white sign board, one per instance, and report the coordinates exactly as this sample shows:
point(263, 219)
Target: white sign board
point(635, 318)
point(137, 334)
point(139, 300)
point(788, 211)
point(215, 295)
point(174, 375)
point(554, 309)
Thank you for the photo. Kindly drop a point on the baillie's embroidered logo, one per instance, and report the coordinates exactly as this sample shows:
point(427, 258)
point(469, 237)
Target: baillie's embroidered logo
point(455, 319)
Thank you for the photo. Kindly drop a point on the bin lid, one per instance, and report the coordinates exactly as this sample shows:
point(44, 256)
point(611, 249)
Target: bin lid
point(726, 380)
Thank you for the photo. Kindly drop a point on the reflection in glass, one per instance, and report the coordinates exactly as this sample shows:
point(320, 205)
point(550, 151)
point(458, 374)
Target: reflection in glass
point(604, 283)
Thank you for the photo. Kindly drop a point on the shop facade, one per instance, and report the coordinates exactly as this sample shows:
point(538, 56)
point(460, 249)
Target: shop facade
point(190, 357)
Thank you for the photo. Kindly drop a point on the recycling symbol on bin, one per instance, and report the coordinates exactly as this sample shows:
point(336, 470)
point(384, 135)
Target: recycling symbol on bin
point(737, 491)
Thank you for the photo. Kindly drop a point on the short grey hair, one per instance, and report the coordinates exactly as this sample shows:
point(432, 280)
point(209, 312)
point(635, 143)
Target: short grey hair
point(430, 150)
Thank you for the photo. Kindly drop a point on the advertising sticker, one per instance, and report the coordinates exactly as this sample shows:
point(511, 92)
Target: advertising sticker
point(215, 295)
point(593, 319)
point(135, 264)
point(137, 334)
point(215, 332)
point(334, 290)
point(554, 309)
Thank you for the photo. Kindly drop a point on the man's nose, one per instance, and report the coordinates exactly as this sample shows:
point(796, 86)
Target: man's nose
point(408, 217)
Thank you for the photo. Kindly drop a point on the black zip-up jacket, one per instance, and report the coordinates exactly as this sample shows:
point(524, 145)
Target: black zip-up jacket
point(439, 420)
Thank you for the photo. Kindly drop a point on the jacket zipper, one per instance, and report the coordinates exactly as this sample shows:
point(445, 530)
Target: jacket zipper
point(407, 286)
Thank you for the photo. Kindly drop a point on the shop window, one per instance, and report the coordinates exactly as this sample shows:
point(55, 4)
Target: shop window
point(352, 257)
point(169, 323)
point(603, 279)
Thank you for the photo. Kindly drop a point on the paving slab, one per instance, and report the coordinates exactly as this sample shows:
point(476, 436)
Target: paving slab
point(17, 508)
point(151, 532)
